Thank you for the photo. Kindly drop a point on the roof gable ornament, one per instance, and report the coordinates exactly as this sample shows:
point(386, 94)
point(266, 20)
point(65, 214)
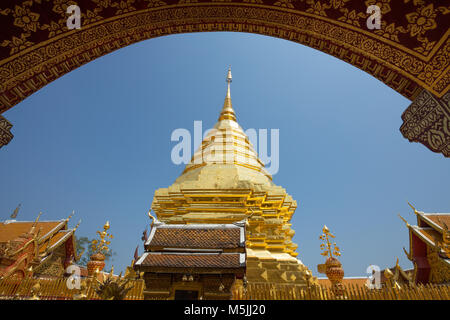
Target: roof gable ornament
point(16, 211)
point(412, 207)
point(155, 221)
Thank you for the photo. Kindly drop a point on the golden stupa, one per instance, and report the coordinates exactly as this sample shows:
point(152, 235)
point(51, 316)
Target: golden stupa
point(226, 182)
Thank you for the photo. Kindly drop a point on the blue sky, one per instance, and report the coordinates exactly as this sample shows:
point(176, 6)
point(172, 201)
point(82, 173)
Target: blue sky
point(97, 141)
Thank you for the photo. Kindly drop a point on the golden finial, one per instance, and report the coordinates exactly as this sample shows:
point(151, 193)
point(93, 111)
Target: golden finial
point(71, 215)
point(328, 248)
point(415, 211)
point(33, 227)
point(111, 273)
point(408, 255)
point(102, 245)
point(404, 220)
point(78, 224)
point(229, 80)
point(227, 112)
point(37, 219)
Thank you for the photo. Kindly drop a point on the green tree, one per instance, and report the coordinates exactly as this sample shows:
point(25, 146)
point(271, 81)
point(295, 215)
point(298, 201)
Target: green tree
point(83, 244)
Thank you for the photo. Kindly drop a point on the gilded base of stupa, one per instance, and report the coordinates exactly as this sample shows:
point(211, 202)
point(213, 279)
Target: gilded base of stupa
point(279, 268)
point(221, 193)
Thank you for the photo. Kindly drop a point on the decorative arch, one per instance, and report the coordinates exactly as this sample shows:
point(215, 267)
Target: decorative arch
point(410, 53)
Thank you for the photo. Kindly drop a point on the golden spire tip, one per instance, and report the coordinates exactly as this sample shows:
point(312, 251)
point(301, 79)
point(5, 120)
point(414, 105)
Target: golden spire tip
point(404, 220)
point(412, 207)
point(229, 77)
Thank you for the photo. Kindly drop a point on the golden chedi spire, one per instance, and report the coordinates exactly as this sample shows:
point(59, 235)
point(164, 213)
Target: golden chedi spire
point(227, 143)
point(226, 182)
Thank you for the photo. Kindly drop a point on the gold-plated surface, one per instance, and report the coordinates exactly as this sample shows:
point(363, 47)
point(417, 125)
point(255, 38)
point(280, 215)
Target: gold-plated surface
point(226, 182)
point(99, 246)
point(332, 266)
point(102, 244)
point(328, 248)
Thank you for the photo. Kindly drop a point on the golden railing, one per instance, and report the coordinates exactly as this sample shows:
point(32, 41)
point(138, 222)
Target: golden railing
point(265, 291)
point(57, 289)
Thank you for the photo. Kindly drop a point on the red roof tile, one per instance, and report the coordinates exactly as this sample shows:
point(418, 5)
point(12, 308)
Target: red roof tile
point(196, 238)
point(225, 260)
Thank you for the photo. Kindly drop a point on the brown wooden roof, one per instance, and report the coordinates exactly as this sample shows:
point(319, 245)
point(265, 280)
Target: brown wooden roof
point(428, 234)
point(196, 238)
point(54, 240)
point(197, 260)
point(12, 230)
point(439, 219)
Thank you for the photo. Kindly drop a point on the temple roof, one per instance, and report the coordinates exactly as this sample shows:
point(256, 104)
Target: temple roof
point(9, 230)
point(440, 222)
point(429, 235)
point(433, 230)
point(176, 247)
point(196, 237)
point(51, 234)
point(437, 221)
point(192, 260)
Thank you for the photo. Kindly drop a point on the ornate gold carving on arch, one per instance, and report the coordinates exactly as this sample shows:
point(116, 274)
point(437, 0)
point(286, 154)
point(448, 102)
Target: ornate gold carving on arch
point(410, 52)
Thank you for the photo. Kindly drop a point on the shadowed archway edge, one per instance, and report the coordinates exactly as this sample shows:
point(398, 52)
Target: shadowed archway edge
point(31, 69)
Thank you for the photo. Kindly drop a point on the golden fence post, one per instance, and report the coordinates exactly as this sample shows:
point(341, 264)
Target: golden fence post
point(354, 294)
point(351, 293)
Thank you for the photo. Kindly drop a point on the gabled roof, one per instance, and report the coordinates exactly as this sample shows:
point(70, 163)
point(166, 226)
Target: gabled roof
point(52, 234)
point(196, 236)
point(435, 220)
point(426, 234)
point(9, 230)
point(204, 247)
point(192, 260)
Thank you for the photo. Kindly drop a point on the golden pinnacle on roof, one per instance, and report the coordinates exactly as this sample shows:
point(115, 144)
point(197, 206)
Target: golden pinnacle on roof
point(328, 248)
point(71, 215)
point(412, 207)
point(404, 220)
point(102, 245)
point(33, 227)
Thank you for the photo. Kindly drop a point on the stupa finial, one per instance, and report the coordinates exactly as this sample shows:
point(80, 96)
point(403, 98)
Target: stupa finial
point(227, 110)
point(229, 79)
